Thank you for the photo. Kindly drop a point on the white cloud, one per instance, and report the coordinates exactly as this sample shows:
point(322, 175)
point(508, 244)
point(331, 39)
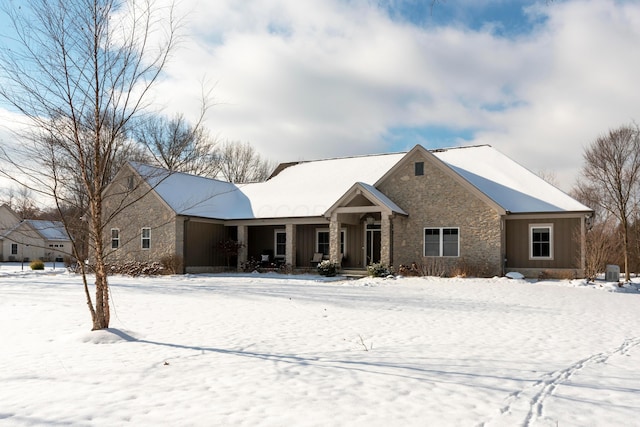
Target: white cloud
point(331, 78)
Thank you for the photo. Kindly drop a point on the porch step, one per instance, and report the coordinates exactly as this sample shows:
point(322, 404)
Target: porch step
point(353, 273)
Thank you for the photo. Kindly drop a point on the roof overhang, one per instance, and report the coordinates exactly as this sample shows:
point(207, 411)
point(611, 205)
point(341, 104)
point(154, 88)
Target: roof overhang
point(377, 202)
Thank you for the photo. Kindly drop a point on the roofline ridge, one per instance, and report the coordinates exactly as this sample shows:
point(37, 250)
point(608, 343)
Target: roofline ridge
point(357, 156)
point(460, 147)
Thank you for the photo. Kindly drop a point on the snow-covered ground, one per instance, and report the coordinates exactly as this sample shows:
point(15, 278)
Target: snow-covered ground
point(296, 350)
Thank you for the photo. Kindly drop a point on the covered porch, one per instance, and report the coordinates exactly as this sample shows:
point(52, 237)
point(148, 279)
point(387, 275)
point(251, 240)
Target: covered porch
point(353, 233)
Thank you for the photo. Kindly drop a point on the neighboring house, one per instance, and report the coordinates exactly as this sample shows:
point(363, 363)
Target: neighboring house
point(460, 209)
point(29, 239)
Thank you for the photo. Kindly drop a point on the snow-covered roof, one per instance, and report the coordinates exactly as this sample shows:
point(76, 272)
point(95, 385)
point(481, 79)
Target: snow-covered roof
point(195, 195)
point(383, 199)
point(310, 188)
point(506, 182)
point(49, 230)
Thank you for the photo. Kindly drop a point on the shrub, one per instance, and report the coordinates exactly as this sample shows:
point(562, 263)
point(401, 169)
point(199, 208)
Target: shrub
point(135, 268)
point(378, 270)
point(250, 265)
point(37, 265)
point(172, 264)
point(327, 268)
point(433, 267)
point(409, 270)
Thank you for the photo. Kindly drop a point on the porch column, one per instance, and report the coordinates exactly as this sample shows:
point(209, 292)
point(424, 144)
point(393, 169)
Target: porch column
point(243, 237)
point(290, 251)
point(583, 245)
point(385, 239)
point(334, 240)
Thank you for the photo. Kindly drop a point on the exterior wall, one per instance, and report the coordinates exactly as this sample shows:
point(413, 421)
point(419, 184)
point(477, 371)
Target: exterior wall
point(306, 243)
point(436, 199)
point(8, 219)
point(566, 247)
point(262, 239)
point(203, 240)
point(31, 246)
point(147, 211)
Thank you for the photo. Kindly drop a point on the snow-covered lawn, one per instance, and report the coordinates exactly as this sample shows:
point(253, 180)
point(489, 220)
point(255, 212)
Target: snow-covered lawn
point(296, 350)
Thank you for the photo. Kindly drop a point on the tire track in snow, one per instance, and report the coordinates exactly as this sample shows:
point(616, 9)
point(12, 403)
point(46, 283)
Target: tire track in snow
point(533, 397)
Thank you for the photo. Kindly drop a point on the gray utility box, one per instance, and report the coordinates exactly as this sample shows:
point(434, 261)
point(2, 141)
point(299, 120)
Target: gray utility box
point(612, 273)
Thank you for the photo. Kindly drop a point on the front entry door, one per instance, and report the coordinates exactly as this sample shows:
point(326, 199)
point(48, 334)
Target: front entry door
point(372, 244)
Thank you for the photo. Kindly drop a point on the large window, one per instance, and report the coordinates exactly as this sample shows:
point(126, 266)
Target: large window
point(541, 241)
point(280, 243)
point(322, 240)
point(442, 241)
point(146, 238)
point(115, 238)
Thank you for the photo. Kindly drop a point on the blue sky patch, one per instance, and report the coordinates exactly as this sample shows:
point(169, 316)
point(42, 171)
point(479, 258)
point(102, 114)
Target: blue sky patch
point(403, 138)
point(507, 18)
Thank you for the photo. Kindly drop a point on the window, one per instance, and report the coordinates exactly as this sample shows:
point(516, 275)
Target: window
point(130, 182)
point(322, 240)
point(146, 238)
point(280, 243)
point(419, 168)
point(442, 242)
point(541, 238)
point(14, 249)
point(115, 238)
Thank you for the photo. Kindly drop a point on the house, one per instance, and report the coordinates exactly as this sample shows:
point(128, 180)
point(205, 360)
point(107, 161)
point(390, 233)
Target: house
point(29, 239)
point(467, 209)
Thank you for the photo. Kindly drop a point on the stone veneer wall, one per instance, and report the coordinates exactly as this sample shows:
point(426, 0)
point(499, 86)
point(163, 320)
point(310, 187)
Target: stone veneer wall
point(149, 211)
point(435, 199)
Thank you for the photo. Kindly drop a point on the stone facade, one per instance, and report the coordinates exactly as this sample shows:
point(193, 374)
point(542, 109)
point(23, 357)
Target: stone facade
point(166, 229)
point(436, 199)
point(419, 192)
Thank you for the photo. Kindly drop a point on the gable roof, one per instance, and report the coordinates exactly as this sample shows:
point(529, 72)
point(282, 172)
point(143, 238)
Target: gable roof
point(372, 194)
point(512, 186)
point(312, 188)
point(193, 195)
point(8, 218)
point(49, 230)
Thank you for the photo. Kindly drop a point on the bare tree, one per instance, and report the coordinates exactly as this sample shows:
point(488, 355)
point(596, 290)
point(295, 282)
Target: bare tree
point(178, 146)
point(79, 72)
point(241, 163)
point(550, 176)
point(612, 169)
point(22, 201)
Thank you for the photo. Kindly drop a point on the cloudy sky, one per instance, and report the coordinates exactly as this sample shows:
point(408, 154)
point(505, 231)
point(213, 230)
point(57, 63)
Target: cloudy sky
point(538, 80)
point(307, 79)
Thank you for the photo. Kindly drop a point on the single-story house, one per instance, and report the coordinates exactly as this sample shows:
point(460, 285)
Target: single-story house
point(461, 209)
point(30, 239)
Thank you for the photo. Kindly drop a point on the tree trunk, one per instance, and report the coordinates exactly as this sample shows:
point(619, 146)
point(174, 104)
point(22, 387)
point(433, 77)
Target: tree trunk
point(102, 315)
point(625, 249)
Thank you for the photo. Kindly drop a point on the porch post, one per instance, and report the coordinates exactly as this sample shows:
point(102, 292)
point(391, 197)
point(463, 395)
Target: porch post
point(334, 240)
point(385, 239)
point(290, 251)
point(243, 237)
point(583, 245)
